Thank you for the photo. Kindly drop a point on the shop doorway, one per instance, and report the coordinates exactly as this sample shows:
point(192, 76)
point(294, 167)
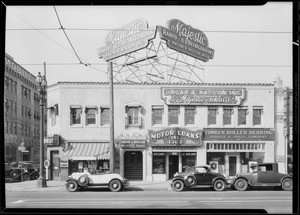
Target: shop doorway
point(54, 167)
point(232, 165)
point(173, 165)
point(133, 165)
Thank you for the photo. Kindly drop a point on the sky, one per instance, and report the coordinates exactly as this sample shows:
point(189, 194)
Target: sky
point(253, 44)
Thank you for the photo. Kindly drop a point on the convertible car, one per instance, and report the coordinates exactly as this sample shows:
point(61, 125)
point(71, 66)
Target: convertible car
point(199, 176)
point(113, 181)
point(262, 175)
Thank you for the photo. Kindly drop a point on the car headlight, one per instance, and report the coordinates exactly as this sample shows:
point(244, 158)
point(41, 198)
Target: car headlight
point(225, 175)
point(176, 174)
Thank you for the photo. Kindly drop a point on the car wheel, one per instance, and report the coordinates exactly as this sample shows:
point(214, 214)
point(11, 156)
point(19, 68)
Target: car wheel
point(177, 185)
point(241, 184)
point(115, 185)
point(219, 185)
point(72, 186)
point(190, 181)
point(35, 176)
point(83, 180)
point(14, 174)
point(25, 177)
point(287, 184)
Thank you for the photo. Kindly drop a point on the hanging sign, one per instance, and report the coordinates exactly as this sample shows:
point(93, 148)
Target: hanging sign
point(175, 137)
point(130, 38)
point(203, 96)
point(186, 39)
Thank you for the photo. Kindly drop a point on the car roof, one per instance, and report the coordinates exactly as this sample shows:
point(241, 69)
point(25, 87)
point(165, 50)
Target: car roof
point(203, 166)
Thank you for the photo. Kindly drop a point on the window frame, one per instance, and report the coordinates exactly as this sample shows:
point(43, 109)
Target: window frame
point(209, 115)
point(157, 117)
point(72, 115)
point(173, 107)
point(189, 109)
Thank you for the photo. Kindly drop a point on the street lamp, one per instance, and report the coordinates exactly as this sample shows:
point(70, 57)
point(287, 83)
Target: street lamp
point(42, 83)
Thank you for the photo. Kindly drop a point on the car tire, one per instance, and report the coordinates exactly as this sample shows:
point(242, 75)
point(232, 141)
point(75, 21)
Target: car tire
point(83, 180)
point(219, 185)
point(115, 186)
point(190, 181)
point(177, 185)
point(35, 176)
point(72, 186)
point(287, 184)
point(25, 177)
point(241, 184)
point(14, 174)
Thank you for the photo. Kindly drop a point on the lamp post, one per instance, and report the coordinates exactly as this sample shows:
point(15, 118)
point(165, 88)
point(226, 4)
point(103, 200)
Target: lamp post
point(42, 83)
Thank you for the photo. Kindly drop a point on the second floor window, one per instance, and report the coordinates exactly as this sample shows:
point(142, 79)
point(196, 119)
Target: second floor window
point(90, 114)
point(227, 113)
point(212, 115)
point(242, 116)
point(75, 115)
point(157, 114)
point(190, 115)
point(105, 113)
point(257, 114)
point(133, 115)
point(173, 114)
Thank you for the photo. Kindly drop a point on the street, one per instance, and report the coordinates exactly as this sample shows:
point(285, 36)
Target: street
point(270, 200)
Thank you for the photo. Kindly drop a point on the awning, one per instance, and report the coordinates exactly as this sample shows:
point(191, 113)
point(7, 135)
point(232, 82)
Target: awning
point(133, 104)
point(87, 151)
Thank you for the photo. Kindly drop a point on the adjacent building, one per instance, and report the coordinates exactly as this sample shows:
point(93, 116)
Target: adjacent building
point(21, 113)
point(161, 128)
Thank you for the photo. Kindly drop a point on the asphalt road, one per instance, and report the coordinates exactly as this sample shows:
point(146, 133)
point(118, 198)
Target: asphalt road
point(271, 201)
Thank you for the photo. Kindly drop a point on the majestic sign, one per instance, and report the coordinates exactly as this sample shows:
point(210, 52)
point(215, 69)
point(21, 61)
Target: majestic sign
point(238, 134)
point(203, 96)
point(132, 144)
point(175, 137)
point(130, 38)
point(186, 39)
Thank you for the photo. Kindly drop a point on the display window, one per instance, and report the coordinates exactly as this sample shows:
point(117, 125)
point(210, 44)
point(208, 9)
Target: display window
point(92, 166)
point(188, 161)
point(159, 163)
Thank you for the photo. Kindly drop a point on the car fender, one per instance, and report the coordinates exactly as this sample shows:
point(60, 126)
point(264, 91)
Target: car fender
point(247, 179)
point(218, 177)
point(285, 177)
point(178, 178)
point(116, 178)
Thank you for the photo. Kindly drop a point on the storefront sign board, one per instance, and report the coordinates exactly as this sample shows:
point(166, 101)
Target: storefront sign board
point(130, 38)
point(133, 144)
point(238, 134)
point(64, 163)
point(175, 137)
point(186, 39)
point(52, 140)
point(202, 96)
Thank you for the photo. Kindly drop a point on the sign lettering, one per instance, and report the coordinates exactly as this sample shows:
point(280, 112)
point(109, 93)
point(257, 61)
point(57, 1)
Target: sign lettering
point(133, 144)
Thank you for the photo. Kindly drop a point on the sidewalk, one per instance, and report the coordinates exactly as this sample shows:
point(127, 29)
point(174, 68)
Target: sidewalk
point(60, 186)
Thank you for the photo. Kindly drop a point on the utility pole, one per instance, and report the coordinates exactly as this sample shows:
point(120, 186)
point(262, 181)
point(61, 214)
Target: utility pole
point(112, 132)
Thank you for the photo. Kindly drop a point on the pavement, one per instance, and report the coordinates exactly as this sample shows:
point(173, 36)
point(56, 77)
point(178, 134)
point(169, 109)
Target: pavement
point(60, 186)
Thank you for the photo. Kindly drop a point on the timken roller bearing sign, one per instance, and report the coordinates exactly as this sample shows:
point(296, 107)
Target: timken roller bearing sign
point(130, 38)
point(203, 96)
point(186, 39)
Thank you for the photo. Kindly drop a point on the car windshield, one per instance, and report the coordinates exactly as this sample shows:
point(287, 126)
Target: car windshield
point(200, 169)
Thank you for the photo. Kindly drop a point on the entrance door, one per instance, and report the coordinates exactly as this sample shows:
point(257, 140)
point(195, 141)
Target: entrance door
point(173, 165)
point(54, 168)
point(133, 165)
point(232, 165)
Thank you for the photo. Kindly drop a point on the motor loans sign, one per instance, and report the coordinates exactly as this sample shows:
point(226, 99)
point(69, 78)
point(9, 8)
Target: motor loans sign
point(175, 137)
point(186, 39)
point(130, 38)
point(203, 96)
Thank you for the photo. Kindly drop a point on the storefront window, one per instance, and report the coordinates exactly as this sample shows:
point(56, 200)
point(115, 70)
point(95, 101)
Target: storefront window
point(159, 163)
point(190, 115)
point(188, 161)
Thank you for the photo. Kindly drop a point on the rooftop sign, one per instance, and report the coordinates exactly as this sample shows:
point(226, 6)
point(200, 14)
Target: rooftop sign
point(186, 39)
point(130, 38)
point(203, 96)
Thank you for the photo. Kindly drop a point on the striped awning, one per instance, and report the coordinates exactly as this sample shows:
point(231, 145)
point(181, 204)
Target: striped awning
point(87, 151)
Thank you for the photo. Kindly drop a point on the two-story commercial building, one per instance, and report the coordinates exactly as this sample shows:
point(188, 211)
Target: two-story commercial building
point(160, 128)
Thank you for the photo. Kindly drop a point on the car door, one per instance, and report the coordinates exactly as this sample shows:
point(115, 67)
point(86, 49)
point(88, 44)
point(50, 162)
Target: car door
point(203, 177)
point(265, 176)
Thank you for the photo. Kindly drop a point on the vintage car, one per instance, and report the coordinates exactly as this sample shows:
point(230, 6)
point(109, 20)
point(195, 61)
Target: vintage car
point(113, 181)
point(199, 176)
point(262, 175)
point(21, 171)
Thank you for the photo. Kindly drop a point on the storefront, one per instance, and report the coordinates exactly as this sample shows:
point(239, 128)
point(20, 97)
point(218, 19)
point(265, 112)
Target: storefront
point(233, 150)
point(174, 150)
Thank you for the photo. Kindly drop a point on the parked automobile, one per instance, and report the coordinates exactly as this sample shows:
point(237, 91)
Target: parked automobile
point(199, 176)
point(262, 175)
point(21, 171)
point(113, 181)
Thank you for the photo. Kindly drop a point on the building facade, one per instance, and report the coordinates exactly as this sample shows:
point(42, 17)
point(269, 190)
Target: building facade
point(21, 113)
point(160, 128)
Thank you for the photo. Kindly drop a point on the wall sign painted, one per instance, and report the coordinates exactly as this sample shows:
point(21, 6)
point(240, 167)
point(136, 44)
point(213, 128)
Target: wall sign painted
point(238, 134)
point(203, 96)
point(130, 38)
point(132, 144)
point(175, 137)
point(186, 39)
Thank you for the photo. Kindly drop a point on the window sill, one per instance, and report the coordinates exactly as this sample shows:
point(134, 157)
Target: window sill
point(91, 126)
point(76, 126)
